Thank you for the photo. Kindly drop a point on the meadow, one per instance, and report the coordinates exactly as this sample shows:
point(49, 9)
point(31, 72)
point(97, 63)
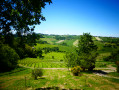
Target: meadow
point(55, 79)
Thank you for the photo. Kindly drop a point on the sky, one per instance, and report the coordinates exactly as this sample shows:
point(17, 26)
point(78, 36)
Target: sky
point(75, 17)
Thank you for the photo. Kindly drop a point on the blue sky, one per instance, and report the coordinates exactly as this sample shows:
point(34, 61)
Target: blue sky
point(99, 17)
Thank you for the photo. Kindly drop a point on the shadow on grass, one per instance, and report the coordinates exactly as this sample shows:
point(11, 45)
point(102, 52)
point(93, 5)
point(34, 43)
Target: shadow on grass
point(54, 88)
point(100, 72)
point(95, 71)
point(18, 69)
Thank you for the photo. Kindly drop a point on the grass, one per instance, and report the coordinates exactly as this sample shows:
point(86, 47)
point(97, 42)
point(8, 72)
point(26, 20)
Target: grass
point(57, 56)
point(49, 40)
point(115, 74)
point(62, 79)
point(69, 42)
point(61, 48)
point(100, 63)
point(56, 78)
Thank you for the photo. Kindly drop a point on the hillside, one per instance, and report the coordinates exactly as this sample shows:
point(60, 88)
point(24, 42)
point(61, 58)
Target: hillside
point(55, 72)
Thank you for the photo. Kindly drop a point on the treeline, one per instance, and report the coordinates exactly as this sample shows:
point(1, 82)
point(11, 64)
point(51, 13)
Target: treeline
point(110, 41)
point(59, 37)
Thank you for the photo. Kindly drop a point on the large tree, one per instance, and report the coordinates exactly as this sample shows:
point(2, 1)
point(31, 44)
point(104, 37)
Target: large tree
point(21, 15)
point(87, 51)
point(18, 16)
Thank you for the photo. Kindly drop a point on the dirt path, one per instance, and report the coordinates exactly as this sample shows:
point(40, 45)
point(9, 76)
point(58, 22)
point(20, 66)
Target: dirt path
point(75, 43)
point(99, 39)
point(60, 41)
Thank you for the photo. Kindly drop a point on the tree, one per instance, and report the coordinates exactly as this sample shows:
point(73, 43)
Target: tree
point(71, 59)
point(85, 55)
point(20, 15)
point(8, 58)
point(87, 51)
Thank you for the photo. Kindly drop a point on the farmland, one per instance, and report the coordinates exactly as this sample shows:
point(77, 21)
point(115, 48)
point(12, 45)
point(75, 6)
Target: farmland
point(59, 45)
point(56, 74)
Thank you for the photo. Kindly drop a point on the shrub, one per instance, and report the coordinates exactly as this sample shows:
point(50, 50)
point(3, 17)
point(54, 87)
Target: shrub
point(8, 58)
point(20, 52)
point(29, 51)
point(37, 73)
point(76, 70)
point(39, 52)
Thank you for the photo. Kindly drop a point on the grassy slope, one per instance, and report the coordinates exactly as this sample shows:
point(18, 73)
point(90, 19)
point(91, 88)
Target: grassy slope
point(46, 62)
point(49, 40)
point(69, 42)
point(59, 78)
point(62, 79)
point(61, 48)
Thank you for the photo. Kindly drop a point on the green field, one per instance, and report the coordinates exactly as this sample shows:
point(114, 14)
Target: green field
point(61, 79)
point(61, 48)
point(49, 40)
point(56, 75)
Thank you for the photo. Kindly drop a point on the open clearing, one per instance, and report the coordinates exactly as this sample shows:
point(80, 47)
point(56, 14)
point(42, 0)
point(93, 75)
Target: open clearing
point(60, 41)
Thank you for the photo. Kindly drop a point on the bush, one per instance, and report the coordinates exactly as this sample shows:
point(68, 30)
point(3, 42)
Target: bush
point(29, 51)
point(39, 52)
point(76, 70)
point(20, 52)
point(8, 58)
point(37, 73)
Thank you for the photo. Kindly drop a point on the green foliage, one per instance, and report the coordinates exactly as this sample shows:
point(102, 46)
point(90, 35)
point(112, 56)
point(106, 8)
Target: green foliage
point(48, 49)
point(21, 16)
point(87, 51)
point(110, 39)
point(42, 42)
point(113, 57)
point(24, 13)
point(76, 70)
point(71, 59)
point(30, 52)
point(26, 51)
point(113, 45)
point(8, 57)
point(37, 73)
point(39, 52)
point(86, 44)
point(60, 47)
point(64, 44)
point(20, 51)
point(87, 61)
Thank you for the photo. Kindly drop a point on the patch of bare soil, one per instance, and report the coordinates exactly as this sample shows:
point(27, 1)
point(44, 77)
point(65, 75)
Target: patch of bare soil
point(99, 39)
point(60, 41)
point(75, 43)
